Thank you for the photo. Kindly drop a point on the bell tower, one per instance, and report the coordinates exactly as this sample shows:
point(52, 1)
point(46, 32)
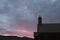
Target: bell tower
point(39, 23)
point(39, 20)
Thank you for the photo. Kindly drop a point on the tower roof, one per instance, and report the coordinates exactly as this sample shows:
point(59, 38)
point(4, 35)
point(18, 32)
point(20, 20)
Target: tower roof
point(39, 17)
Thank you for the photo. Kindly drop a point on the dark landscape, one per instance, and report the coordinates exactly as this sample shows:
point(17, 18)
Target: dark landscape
point(14, 38)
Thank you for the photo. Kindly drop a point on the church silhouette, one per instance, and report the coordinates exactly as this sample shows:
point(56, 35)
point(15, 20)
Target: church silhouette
point(48, 31)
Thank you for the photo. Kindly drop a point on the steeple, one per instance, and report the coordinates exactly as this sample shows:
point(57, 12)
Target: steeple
point(39, 20)
point(39, 23)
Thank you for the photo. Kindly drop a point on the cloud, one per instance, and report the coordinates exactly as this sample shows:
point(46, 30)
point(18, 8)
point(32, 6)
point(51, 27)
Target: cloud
point(26, 12)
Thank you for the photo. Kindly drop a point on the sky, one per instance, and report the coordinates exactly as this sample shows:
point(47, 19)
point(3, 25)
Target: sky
point(19, 17)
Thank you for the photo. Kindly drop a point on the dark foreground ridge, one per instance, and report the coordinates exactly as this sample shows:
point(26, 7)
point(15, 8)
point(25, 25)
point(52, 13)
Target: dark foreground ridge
point(14, 38)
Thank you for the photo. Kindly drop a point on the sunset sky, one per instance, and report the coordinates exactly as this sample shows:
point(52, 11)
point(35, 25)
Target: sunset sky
point(19, 17)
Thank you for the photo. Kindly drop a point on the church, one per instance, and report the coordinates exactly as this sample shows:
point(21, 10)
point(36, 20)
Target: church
point(48, 31)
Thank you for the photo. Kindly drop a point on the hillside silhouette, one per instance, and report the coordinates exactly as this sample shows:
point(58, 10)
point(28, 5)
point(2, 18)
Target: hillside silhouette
point(14, 38)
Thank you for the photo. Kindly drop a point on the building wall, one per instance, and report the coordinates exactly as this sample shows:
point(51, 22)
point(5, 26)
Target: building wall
point(49, 28)
point(48, 36)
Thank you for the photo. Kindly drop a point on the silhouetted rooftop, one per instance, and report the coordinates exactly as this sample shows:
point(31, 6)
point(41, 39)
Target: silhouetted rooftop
point(50, 27)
